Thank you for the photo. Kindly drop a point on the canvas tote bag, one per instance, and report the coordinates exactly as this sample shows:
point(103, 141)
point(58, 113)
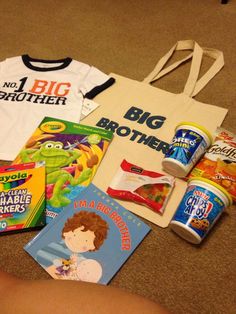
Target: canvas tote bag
point(144, 118)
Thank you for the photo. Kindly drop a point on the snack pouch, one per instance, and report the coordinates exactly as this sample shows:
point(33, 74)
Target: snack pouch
point(219, 162)
point(136, 184)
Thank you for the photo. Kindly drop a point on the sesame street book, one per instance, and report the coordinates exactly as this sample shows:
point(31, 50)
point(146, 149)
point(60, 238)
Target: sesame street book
point(72, 153)
point(90, 240)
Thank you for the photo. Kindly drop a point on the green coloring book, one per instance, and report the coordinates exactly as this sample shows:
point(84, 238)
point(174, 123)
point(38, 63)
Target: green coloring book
point(72, 154)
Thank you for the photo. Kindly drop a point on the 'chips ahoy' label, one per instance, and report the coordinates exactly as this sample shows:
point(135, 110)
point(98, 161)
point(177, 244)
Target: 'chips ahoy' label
point(199, 209)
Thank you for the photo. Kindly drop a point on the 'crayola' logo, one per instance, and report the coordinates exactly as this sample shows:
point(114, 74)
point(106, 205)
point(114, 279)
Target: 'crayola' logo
point(17, 176)
point(53, 127)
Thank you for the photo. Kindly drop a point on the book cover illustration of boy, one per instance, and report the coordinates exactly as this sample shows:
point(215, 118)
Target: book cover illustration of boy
point(83, 232)
point(72, 154)
point(89, 240)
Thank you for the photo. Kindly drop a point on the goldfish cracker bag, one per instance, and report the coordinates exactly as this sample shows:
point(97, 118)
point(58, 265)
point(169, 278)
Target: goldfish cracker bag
point(219, 162)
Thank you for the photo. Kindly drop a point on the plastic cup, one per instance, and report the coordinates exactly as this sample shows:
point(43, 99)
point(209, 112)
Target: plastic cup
point(201, 206)
point(188, 145)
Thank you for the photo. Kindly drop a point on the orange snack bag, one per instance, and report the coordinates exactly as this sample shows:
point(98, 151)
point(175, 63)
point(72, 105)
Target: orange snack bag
point(219, 162)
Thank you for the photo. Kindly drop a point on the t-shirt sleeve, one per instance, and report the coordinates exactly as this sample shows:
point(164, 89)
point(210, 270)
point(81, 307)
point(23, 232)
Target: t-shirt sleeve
point(95, 82)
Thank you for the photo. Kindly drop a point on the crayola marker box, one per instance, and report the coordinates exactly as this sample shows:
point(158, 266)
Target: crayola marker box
point(22, 197)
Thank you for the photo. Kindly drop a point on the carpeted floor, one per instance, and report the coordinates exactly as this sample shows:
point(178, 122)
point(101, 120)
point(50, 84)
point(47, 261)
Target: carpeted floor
point(128, 38)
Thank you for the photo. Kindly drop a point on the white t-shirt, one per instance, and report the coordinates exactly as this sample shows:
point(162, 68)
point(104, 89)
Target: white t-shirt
point(31, 89)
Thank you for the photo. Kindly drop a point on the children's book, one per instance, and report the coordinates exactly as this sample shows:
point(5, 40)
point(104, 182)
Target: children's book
point(90, 240)
point(72, 153)
point(22, 197)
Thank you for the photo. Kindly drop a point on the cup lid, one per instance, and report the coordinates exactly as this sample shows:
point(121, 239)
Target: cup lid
point(216, 185)
point(197, 126)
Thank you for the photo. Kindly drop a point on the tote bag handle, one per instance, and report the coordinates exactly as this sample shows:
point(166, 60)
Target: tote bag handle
point(193, 85)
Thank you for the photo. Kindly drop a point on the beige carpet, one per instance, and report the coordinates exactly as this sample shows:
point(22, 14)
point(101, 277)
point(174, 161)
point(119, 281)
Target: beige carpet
point(128, 38)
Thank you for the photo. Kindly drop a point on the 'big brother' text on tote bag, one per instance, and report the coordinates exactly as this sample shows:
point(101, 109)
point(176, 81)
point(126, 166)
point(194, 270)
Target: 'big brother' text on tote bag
point(143, 119)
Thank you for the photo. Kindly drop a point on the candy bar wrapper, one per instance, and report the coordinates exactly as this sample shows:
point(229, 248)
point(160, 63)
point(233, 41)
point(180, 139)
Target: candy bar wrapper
point(219, 162)
point(149, 188)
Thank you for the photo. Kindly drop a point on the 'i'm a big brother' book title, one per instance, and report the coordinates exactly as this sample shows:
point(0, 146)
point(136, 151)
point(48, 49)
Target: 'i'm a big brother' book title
point(72, 153)
point(89, 240)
